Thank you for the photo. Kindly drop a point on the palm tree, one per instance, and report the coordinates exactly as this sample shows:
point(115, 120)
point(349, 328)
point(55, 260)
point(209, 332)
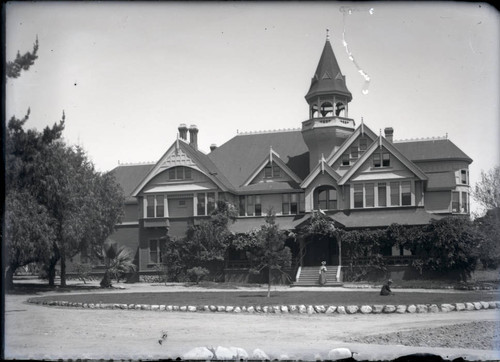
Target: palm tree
point(119, 261)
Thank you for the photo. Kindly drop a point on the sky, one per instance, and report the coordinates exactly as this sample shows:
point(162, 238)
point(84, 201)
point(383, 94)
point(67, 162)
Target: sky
point(126, 74)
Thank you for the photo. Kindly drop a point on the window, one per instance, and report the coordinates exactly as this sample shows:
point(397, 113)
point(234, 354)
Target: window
point(369, 195)
point(258, 206)
point(150, 208)
point(276, 171)
point(354, 152)
point(272, 171)
point(382, 194)
point(210, 202)
point(180, 173)
point(464, 177)
point(200, 208)
point(465, 202)
point(327, 199)
point(250, 207)
point(242, 206)
point(155, 206)
point(293, 204)
point(394, 193)
point(160, 201)
point(358, 195)
point(455, 201)
point(302, 203)
point(345, 160)
point(154, 251)
point(285, 204)
point(381, 159)
point(405, 193)
point(460, 202)
point(386, 160)
point(400, 194)
point(363, 144)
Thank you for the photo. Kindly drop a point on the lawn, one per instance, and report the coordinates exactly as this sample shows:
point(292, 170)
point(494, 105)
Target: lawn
point(248, 298)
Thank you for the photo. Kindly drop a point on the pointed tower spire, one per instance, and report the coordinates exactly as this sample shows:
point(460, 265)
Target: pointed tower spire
point(328, 79)
point(328, 125)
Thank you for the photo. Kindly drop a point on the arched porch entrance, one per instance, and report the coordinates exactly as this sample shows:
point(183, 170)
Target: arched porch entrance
point(314, 251)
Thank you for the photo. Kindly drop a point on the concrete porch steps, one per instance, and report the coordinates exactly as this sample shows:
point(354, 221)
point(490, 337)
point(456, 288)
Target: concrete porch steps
point(309, 276)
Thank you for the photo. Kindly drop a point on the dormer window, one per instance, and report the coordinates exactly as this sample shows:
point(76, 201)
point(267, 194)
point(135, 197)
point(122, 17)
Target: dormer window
point(272, 171)
point(180, 173)
point(464, 177)
point(354, 152)
point(363, 144)
point(386, 160)
point(345, 160)
point(381, 159)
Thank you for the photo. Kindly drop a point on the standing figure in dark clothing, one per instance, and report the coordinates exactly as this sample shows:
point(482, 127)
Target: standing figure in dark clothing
point(386, 288)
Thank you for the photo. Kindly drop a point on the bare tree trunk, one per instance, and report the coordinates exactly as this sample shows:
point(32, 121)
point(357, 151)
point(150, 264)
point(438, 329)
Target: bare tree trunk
point(9, 277)
point(51, 267)
point(269, 283)
point(51, 273)
point(63, 270)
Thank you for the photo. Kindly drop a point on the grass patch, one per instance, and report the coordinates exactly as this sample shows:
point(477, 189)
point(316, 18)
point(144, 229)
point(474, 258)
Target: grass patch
point(247, 298)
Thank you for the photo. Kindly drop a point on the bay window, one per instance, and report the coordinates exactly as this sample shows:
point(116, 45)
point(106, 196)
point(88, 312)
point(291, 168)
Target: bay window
point(155, 206)
point(379, 194)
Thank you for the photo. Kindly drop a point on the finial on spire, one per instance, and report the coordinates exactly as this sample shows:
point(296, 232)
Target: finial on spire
point(327, 34)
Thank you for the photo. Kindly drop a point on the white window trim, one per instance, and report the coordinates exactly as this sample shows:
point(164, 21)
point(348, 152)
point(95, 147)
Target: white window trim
point(158, 251)
point(387, 194)
point(155, 204)
point(461, 209)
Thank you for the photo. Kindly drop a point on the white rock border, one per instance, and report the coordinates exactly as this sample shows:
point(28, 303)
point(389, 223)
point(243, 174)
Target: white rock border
point(281, 309)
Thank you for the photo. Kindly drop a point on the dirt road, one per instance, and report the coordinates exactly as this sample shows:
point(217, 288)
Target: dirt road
point(35, 332)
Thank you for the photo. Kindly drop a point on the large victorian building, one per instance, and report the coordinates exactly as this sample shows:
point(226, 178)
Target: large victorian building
point(359, 178)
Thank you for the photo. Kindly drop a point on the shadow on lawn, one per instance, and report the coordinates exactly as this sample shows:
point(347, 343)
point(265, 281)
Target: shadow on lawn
point(34, 288)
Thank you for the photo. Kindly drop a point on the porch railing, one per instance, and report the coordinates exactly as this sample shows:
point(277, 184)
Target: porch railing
point(398, 260)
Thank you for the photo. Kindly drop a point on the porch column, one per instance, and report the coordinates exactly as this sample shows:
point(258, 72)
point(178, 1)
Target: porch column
point(339, 242)
point(301, 251)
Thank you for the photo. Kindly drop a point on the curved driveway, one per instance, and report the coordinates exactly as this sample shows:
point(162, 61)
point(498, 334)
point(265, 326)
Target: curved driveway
point(37, 332)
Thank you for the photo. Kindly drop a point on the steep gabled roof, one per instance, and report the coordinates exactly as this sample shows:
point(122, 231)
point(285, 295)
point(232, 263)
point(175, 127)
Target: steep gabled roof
point(272, 157)
point(328, 78)
point(195, 158)
point(381, 141)
point(361, 130)
point(128, 176)
point(431, 150)
point(239, 157)
point(321, 167)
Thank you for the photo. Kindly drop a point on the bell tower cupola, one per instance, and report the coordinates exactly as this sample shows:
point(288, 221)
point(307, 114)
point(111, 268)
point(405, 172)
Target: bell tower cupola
point(328, 125)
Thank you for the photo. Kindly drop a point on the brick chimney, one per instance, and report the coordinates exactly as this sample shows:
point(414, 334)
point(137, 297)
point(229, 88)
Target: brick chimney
point(213, 146)
point(183, 131)
point(193, 136)
point(389, 131)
